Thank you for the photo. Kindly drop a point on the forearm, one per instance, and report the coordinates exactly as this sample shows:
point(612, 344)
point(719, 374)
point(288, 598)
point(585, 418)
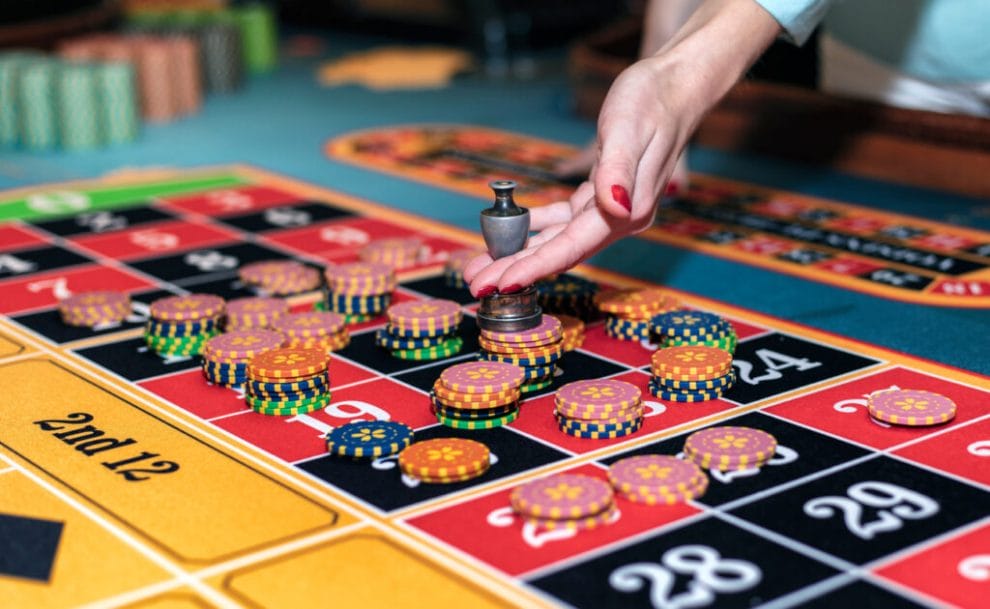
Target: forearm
point(662, 20)
point(714, 48)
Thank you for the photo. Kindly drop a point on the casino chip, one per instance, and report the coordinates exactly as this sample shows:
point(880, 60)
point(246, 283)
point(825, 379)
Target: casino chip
point(609, 516)
point(254, 312)
point(280, 277)
point(464, 390)
point(182, 325)
point(359, 290)
point(422, 330)
point(568, 295)
point(288, 381)
point(225, 356)
point(730, 448)
point(628, 311)
point(89, 309)
point(598, 409)
point(910, 407)
point(657, 479)
point(691, 373)
point(369, 439)
point(398, 253)
point(535, 350)
point(314, 330)
point(445, 460)
point(562, 497)
point(572, 330)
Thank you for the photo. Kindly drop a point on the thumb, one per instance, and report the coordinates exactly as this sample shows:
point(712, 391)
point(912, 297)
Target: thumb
point(615, 174)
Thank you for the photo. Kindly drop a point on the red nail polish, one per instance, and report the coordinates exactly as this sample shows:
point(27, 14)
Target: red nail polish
point(621, 196)
point(510, 289)
point(672, 189)
point(488, 290)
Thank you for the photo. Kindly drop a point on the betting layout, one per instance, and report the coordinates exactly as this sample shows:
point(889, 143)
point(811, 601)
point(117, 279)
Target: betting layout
point(238, 504)
point(890, 255)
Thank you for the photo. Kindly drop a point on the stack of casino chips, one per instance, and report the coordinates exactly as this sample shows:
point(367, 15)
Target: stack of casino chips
point(683, 328)
point(477, 395)
point(445, 460)
point(657, 479)
point(422, 330)
point(288, 381)
point(398, 253)
point(254, 312)
point(226, 356)
point(629, 311)
point(910, 407)
point(565, 501)
point(568, 295)
point(359, 291)
point(315, 329)
point(729, 448)
point(280, 277)
point(368, 439)
point(453, 268)
point(572, 331)
point(96, 308)
point(599, 409)
point(691, 374)
point(181, 325)
point(535, 351)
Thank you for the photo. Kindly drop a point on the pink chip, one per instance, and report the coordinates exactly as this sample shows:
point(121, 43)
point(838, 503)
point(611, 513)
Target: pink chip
point(267, 270)
point(95, 298)
point(458, 259)
point(310, 324)
point(730, 446)
point(911, 407)
point(598, 395)
point(482, 377)
point(422, 313)
point(189, 307)
point(654, 474)
point(257, 306)
point(548, 331)
point(242, 344)
point(562, 496)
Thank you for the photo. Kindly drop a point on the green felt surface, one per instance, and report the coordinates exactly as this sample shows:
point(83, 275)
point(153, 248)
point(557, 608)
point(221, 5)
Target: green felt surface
point(281, 121)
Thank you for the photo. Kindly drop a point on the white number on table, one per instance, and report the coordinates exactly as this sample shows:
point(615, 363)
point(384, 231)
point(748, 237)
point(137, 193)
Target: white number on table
point(904, 504)
point(782, 456)
point(710, 575)
point(975, 568)
point(773, 362)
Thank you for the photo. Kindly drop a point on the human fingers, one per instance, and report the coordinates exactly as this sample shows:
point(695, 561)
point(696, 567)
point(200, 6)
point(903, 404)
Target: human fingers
point(585, 235)
point(485, 279)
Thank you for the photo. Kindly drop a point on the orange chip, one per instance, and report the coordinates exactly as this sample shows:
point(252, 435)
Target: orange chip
point(288, 362)
point(699, 361)
point(444, 459)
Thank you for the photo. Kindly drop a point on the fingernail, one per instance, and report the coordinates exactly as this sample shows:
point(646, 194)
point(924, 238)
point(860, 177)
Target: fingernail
point(488, 290)
point(672, 189)
point(511, 289)
point(621, 196)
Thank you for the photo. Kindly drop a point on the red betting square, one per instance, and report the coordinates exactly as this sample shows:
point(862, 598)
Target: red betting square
point(14, 237)
point(955, 571)
point(46, 289)
point(158, 239)
point(964, 451)
point(228, 201)
point(841, 409)
point(486, 527)
point(190, 391)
